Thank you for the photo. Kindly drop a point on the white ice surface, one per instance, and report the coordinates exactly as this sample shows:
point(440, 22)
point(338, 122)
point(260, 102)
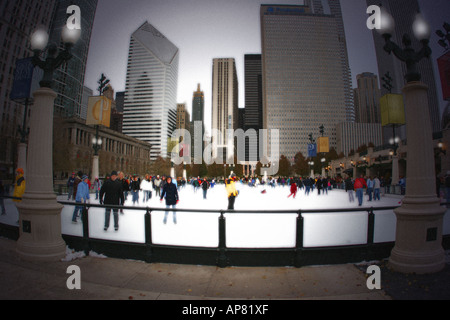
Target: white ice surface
point(243, 230)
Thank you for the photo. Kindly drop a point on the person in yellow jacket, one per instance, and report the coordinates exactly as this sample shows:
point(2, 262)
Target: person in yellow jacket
point(19, 185)
point(232, 192)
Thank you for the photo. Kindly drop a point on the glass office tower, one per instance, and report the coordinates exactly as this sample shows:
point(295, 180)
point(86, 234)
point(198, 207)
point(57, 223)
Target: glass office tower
point(303, 68)
point(150, 106)
point(69, 78)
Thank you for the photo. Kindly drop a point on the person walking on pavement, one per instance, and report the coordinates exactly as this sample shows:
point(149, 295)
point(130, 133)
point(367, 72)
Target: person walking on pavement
point(170, 193)
point(111, 194)
point(81, 197)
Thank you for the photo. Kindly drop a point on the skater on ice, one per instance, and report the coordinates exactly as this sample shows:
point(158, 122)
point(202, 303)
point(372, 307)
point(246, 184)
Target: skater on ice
point(231, 191)
point(293, 189)
point(170, 193)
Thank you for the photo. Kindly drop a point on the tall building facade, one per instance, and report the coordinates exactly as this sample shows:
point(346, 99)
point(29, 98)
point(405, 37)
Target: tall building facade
point(303, 69)
point(198, 115)
point(151, 89)
point(404, 13)
point(183, 117)
point(353, 135)
point(69, 78)
point(225, 113)
point(253, 102)
point(198, 105)
point(333, 7)
point(18, 20)
point(367, 98)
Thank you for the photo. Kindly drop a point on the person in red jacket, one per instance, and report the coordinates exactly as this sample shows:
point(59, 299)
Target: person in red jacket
point(293, 189)
point(359, 185)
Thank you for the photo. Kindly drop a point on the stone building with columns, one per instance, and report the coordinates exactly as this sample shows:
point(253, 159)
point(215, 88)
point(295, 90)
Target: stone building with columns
point(378, 161)
point(73, 150)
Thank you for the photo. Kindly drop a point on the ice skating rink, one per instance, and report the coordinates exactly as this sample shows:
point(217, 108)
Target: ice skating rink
point(243, 230)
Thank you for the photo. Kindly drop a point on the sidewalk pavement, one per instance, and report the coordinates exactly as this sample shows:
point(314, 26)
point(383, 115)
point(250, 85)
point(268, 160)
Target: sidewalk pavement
point(113, 279)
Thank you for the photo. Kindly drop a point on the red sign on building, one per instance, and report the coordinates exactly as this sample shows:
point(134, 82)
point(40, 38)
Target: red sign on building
point(444, 70)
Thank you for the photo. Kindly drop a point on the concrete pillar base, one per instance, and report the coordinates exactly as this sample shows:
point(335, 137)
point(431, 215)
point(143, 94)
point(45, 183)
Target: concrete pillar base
point(418, 248)
point(40, 229)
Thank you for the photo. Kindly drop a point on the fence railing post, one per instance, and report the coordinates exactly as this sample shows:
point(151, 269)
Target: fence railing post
point(148, 236)
point(85, 220)
point(371, 227)
point(299, 241)
point(222, 261)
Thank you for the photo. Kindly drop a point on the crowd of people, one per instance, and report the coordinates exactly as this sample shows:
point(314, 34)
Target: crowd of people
point(115, 189)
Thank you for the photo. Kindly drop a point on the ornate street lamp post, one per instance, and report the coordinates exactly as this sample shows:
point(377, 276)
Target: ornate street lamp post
point(39, 212)
point(97, 141)
point(418, 246)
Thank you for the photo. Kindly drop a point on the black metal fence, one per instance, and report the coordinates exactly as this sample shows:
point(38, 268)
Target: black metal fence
point(223, 256)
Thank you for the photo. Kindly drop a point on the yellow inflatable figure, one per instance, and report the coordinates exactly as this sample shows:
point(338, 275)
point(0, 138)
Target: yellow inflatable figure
point(19, 185)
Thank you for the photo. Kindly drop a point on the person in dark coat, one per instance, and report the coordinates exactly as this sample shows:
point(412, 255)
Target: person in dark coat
point(319, 185)
point(205, 187)
point(111, 193)
point(170, 193)
point(349, 189)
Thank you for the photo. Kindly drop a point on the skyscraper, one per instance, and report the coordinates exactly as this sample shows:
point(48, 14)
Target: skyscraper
point(69, 78)
point(17, 22)
point(198, 115)
point(367, 99)
point(151, 89)
point(198, 105)
point(253, 101)
point(335, 10)
point(303, 75)
point(183, 117)
point(404, 13)
point(224, 104)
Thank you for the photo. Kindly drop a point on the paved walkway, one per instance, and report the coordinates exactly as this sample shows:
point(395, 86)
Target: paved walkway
point(112, 279)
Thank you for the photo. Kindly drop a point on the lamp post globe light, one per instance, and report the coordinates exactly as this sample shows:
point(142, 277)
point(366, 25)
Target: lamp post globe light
point(418, 246)
point(39, 212)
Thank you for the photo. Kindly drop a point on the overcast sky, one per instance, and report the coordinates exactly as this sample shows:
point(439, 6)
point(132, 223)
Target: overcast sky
point(208, 29)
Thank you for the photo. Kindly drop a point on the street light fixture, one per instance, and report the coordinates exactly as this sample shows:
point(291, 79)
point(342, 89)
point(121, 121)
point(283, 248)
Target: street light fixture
point(97, 144)
point(422, 32)
point(39, 43)
point(39, 212)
